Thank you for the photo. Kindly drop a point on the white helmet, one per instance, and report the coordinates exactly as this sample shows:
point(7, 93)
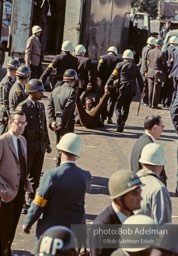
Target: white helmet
point(173, 40)
point(128, 54)
point(153, 154)
point(80, 49)
point(112, 49)
point(70, 143)
point(151, 40)
point(36, 29)
point(134, 221)
point(67, 46)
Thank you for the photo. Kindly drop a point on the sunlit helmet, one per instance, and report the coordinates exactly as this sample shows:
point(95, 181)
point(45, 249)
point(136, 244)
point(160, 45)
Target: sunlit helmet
point(80, 49)
point(70, 75)
point(70, 143)
point(67, 46)
point(128, 54)
point(13, 64)
point(34, 85)
point(23, 71)
point(173, 40)
point(36, 29)
point(112, 49)
point(151, 40)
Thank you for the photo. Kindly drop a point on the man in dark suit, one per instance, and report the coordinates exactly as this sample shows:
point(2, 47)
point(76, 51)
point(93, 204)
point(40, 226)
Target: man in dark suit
point(13, 179)
point(60, 197)
point(125, 192)
point(153, 127)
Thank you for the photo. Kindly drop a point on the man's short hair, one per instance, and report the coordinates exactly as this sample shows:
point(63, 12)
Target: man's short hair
point(16, 112)
point(150, 121)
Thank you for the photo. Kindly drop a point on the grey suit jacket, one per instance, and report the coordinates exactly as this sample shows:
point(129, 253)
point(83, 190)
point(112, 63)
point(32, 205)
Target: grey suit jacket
point(10, 168)
point(33, 51)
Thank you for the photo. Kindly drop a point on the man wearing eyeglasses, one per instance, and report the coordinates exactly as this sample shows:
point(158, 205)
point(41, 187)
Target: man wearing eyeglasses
point(13, 179)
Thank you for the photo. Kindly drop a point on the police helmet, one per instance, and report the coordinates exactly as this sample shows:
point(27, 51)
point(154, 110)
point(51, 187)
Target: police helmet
point(13, 64)
point(159, 42)
point(34, 85)
point(70, 143)
point(70, 75)
point(36, 29)
point(57, 241)
point(112, 49)
point(151, 40)
point(128, 54)
point(67, 46)
point(80, 49)
point(23, 71)
point(173, 40)
point(122, 182)
point(153, 154)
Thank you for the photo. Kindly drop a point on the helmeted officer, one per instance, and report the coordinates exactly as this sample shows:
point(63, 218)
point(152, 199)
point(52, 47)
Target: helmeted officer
point(17, 92)
point(144, 67)
point(85, 75)
point(126, 72)
point(61, 63)
point(5, 87)
point(105, 67)
point(33, 52)
point(36, 133)
point(156, 74)
point(57, 241)
point(62, 105)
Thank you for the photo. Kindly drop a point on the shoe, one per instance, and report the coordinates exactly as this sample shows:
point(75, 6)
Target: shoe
point(156, 107)
point(120, 127)
point(25, 208)
point(109, 121)
point(145, 104)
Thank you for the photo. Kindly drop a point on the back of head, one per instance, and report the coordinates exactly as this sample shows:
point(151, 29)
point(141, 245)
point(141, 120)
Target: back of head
point(57, 241)
point(36, 29)
point(150, 121)
point(122, 182)
point(13, 64)
point(67, 46)
point(112, 49)
point(34, 85)
point(80, 50)
point(128, 54)
point(151, 40)
point(70, 75)
point(70, 143)
point(23, 71)
point(159, 42)
point(153, 154)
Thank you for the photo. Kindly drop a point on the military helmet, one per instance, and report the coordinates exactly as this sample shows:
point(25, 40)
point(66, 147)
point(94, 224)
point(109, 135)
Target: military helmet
point(36, 29)
point(70, 143)
point(112, 49)
point(23, 71)
point(57, 241)
point(67, 46)
point(70, 75)
point(159, 42)
point(153, 154)
point(13, 64)
point(173, 40)
point(34, 85)
point(122, 182)
point(80, 49)
point(151, 40)
point(128, 54)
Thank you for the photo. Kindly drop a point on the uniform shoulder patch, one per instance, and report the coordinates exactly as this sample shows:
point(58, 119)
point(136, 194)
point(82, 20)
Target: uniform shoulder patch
point(50, 65)
point(101, 61)
point(115, 72)
point(18, 92)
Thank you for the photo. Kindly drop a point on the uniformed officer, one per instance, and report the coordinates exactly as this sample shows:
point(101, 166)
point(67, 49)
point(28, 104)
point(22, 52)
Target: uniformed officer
point(5, 87)
point(61, 107)
point(36, 133)
point(156, 73)
point(60, 198)
point(126, 72)
point(61, 63)
point(105, 67)
point(57, 241)
point(17, 92)
point(85, 75)
point(174, 74)
point(144, 67)
point(33, 52)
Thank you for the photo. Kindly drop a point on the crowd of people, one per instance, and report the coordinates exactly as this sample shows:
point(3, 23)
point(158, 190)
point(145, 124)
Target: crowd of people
point(82, 96)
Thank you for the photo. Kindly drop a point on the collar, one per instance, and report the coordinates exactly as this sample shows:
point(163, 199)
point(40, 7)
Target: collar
point(68, 162)
point(13, 135)
point(122, 217)
point(32, 101)
point(147, 133)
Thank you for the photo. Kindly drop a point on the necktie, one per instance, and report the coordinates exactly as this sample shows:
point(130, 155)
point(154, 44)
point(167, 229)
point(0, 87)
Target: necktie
point(22, 161)
point(36, 104)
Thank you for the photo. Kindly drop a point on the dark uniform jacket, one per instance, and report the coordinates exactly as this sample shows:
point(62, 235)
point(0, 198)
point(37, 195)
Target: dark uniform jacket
point(36, 132)
point(62, 105)
point(108, 216)
point(144, 67)
point(61, 62)
point(174, 70)
point(137, 149)
point(60, 197)
point(169, 56)
point(84, 70)
point(157, 64)
point(106, 65)
point(174, 113)
point(17, 95)
point(5, 87)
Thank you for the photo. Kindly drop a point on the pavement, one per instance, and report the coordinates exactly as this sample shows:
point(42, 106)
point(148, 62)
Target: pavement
point(104, 152)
